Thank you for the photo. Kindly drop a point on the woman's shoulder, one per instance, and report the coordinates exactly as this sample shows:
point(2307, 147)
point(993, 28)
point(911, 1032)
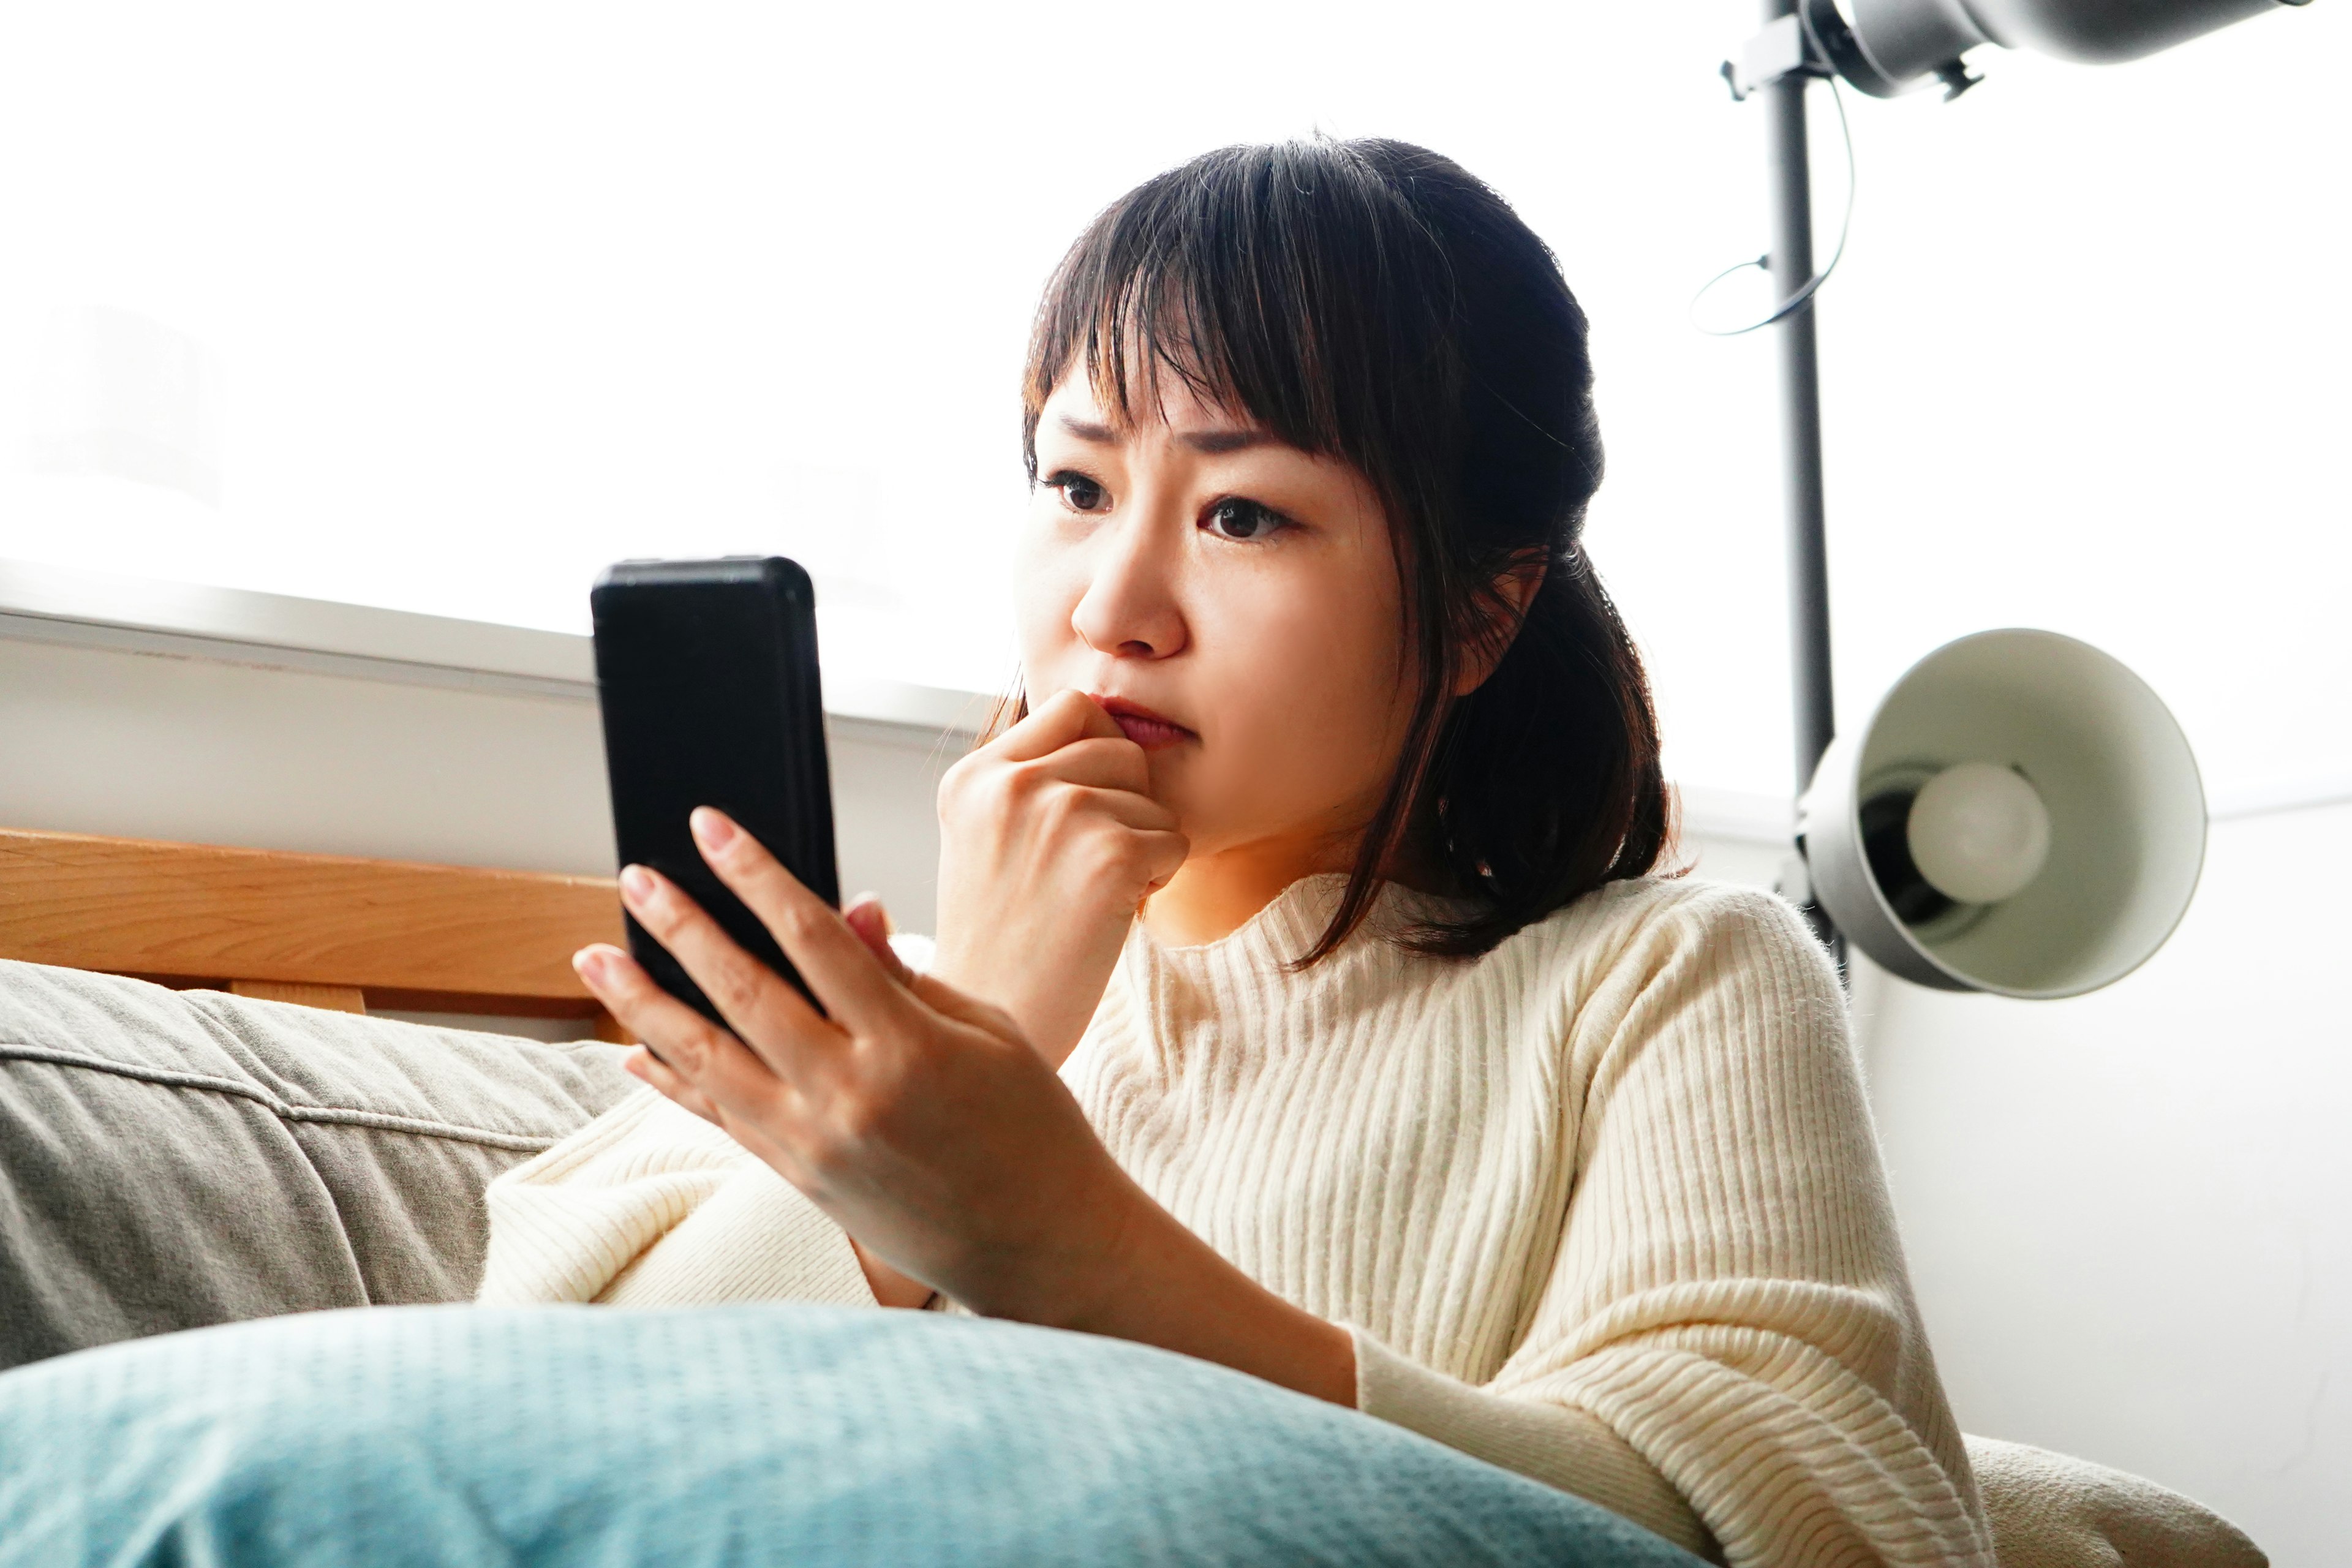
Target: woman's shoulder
point(1720, 976)
point(1687, 906)
point(1655, 924)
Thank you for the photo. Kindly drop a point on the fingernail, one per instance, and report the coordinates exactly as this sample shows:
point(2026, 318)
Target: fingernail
point(591, 964)
point(637, 884)
point(711, 828)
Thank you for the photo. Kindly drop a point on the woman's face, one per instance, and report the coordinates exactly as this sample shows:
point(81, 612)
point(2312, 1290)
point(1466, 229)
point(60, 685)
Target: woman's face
point(1232, 602)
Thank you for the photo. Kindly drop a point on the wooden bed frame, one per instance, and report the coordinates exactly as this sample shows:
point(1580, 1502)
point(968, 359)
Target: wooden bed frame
point(325, 931)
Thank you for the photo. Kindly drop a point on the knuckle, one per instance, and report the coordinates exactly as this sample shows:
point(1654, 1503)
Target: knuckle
point(735, 990)
point(858, 1122)
point(896, 1079)
point(875, 1094)
point(659, 914)
point(1103, 858)
point(802, 923)
point(1021, 780)
point(687, 1052)
point(767, 886)
point(770, 1100)
point(1063, 808)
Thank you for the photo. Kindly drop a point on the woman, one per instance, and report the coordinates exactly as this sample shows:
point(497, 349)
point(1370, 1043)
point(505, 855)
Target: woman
point(1304, 998)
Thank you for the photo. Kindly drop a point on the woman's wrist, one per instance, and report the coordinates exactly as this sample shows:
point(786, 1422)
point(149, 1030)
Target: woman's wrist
point(1144, 1276)
point(1194, 1301)
point(1051, 1008)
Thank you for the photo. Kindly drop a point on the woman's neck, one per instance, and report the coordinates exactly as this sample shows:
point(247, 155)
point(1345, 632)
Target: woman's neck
point(1212, 896)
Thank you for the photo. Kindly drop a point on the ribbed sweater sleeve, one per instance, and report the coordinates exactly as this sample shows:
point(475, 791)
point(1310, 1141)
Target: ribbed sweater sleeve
point(1729, 1295)
point(1559, 1445)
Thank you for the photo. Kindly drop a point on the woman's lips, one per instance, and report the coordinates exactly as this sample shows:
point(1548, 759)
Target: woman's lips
point(1139, 724)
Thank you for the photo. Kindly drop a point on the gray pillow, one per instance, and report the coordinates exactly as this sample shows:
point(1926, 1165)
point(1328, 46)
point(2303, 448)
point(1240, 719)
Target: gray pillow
point(170, 1159)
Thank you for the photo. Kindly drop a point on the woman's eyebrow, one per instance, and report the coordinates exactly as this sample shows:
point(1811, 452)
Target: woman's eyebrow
point(1085, 430)
point(1211, 443)
point(1216, 442)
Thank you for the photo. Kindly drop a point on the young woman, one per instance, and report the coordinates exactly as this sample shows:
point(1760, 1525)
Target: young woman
point(1306, 997)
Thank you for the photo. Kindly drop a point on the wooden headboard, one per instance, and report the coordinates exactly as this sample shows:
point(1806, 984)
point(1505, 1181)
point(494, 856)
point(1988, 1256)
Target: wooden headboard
point(328, 931)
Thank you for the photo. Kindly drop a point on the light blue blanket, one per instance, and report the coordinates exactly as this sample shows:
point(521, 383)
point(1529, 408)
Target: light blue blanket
point(458, 1436)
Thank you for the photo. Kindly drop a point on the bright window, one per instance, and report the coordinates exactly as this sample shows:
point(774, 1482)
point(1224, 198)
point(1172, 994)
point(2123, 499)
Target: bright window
point(445, 306)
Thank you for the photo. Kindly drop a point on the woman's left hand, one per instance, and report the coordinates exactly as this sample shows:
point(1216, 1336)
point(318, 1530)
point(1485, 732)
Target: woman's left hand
point(918, 1118)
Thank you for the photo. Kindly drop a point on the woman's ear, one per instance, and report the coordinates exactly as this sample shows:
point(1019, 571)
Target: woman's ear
point(1515, 590)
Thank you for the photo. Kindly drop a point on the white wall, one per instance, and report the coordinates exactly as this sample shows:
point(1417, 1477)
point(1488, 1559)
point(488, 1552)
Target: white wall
point(107, 740)
point(2130, 1214)
point(2127, 1213)
point(139, 712)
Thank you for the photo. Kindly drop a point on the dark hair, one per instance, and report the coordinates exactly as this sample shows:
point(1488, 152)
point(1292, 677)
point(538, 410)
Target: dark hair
point(1372, 301)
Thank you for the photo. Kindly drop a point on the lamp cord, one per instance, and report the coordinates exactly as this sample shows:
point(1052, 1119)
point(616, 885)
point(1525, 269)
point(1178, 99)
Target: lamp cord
point(1813, 285)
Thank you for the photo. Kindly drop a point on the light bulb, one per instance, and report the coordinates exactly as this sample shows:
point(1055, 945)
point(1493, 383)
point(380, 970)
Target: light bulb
point(1978, 833)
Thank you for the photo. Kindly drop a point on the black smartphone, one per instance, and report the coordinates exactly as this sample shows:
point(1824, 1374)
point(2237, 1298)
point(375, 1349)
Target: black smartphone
point(707, 674)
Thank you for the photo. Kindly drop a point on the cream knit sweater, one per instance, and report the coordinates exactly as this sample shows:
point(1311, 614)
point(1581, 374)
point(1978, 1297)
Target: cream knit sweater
point(1603, 1207)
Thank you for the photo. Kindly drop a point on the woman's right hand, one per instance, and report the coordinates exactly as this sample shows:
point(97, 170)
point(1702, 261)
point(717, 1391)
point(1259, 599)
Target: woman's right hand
point(1048, 842)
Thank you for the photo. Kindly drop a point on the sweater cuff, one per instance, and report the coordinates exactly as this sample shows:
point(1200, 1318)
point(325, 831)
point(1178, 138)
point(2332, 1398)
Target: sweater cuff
point(1558, 1444)
point(756, 1238)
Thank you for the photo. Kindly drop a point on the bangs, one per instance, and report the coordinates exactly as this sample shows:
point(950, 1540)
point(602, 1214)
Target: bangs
point(1263, 281)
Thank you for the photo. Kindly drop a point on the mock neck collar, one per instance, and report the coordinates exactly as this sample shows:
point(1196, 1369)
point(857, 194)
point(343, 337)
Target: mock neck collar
point(1291, 921)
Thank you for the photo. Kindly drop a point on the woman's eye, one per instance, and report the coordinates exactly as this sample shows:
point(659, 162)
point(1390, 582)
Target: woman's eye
point(1235, 518)
point(1082, 493)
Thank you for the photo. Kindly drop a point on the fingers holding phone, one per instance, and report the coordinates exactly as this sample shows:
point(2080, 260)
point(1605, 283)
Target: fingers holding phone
point(919, 1118)
point(1049, 839)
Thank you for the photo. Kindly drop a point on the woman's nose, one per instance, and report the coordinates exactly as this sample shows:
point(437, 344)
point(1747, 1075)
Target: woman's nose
point(1129, 607)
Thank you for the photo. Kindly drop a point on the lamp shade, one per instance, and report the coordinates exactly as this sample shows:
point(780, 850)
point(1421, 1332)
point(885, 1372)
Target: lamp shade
point(2022, 814)
point(1887, 47)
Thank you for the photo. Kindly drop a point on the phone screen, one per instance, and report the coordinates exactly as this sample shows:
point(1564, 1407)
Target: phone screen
point(707, 671)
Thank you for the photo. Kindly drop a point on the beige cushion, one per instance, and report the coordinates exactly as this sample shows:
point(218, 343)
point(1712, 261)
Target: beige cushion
point(2052, 1511)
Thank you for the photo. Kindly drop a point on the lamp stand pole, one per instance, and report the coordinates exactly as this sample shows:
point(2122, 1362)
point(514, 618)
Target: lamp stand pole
point(1788, 161)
